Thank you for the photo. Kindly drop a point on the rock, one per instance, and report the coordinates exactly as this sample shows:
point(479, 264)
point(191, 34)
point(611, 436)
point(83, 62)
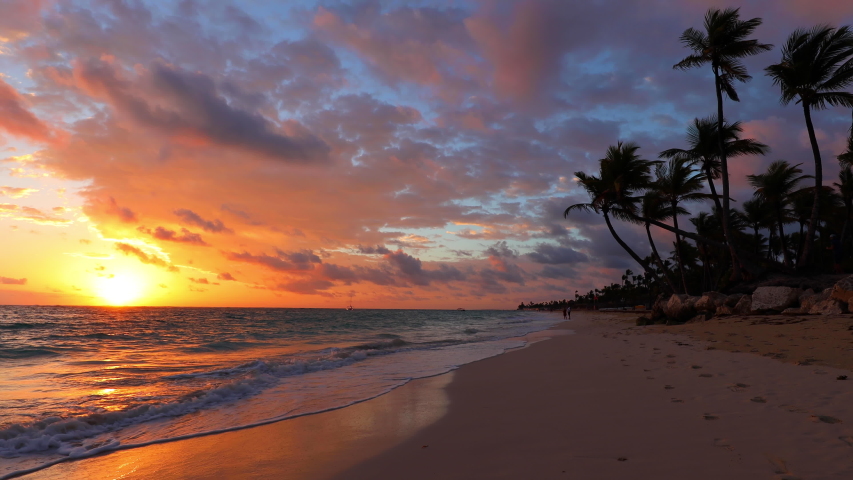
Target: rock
point(743, 307)
point(643, 321)
point(680, 308)
point(794, 311)
point(774, 298)
point(710, 301)
point(723, 311)
point(658, 306)
point(732, 300)
point(830, 306)
point(700, 318)
point(808, 300)
point(843, 290)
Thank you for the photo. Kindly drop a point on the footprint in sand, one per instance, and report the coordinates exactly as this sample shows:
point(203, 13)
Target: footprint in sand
point(695, 367)
point(825, 419)
point(793, 409)
point(723, 443)
point(758, 400)
point(650, 378)
point(668, 387)
point(670, 356)
point(738, 387)
point(705, 375)
point(676, 400)
point(708, 416)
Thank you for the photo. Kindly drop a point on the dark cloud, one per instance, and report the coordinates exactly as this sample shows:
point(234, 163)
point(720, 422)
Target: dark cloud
point(411, 270)
point(185, 236)
point(192, 218)
point(555, 254)
point(375, 250)
point(143, 257)
point(13, 281)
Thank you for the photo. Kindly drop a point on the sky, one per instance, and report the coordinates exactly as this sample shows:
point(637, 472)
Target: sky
point(415, 154)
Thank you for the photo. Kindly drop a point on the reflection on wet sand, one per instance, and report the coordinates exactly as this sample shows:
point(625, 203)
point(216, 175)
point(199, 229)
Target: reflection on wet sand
point(311, 447)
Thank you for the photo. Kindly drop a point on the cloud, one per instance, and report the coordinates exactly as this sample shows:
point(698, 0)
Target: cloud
point(375, 250)
point(283, 262)
point(226, 276)
point(189, 107)
point(16, 119)
point(17, 192)
point(192, 218)
point(144, 257)
point(556, 255)
point(185, 236)
point(13, 281)
point(411, 270)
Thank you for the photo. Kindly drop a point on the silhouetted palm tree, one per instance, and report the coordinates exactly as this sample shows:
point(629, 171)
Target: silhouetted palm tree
point(815, 67)
point(775, 187)
point(704, 143)
point(654, 208)
point(677, 182)
point(757, 215)
point(622, 174)
point(723, 44)
point(845, 188)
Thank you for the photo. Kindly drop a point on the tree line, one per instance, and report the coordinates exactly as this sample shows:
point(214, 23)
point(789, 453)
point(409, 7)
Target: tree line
point(731, 245)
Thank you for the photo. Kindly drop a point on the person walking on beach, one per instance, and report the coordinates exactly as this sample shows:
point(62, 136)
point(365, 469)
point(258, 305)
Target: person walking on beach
point(564, 312)
point(568, 312)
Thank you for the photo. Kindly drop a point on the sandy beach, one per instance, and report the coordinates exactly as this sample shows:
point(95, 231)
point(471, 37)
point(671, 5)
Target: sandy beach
point(720, 399)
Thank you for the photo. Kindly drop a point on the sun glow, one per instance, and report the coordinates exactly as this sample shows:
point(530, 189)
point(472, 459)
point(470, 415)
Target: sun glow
point(122, 289)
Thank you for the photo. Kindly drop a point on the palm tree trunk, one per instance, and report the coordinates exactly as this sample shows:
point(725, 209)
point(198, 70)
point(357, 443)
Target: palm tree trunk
point(678, 247)
point(757, 241)
point(800, 244)
point(779, 220)
point(659, 262)
point(625, 245)
point(714, 192)
point(818, 183)
point(724, 164)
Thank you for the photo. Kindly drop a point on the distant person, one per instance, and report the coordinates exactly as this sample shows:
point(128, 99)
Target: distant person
point(837, 253)
point(568, 312)
point(564, 313)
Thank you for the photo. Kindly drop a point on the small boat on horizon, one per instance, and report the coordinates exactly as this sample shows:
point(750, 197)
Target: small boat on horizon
point(349, 307)
point(460, 309)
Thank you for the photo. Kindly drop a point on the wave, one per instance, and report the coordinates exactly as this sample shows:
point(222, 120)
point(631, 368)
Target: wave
point(18, 326)
point(223, 345)
point(27, 352)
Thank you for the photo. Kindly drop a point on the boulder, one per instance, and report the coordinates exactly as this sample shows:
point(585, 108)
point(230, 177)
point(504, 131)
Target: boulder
point(710, 301)
point(843, 290)
point(774, 298)
point(732, 299)
point(830, 306)
point(700, 318)
point(680, 307)
point(723, 311)
point(794, 311)
point(658, 306)
point(809, 300)
point(744, 306)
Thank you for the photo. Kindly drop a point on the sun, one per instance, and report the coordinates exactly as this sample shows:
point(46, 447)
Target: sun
point(121, 289)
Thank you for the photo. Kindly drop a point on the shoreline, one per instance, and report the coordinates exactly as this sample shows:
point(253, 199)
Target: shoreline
point(610, 401)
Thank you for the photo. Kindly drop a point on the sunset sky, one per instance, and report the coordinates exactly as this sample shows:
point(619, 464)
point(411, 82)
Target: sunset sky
point(417, 154)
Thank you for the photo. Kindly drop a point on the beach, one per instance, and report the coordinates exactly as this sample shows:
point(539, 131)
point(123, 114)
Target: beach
point(601, 398)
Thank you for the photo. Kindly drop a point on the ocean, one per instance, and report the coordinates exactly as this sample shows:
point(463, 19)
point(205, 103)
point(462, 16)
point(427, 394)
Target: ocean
point(76, 381)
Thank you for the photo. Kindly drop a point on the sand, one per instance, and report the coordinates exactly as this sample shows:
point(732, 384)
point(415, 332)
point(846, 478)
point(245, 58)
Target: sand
point(609, 401)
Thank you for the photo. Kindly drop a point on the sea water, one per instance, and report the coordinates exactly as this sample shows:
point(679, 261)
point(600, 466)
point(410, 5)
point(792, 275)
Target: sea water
point(75, 381)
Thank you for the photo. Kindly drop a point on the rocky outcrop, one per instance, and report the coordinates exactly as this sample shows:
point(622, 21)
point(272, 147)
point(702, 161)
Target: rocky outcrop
point(658, 306)
point(809, 299)
point(774, 299)
point(732, 300)
point(723, 311)
point(744, 306)
point(843, 290)
point(680, 308)
point(710, 301)
point(794, 311)
point(830, 306)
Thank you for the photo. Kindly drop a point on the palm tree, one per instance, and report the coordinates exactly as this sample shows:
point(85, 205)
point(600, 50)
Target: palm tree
point(723, 44)
point(678, 182)
point(622, 173)
point(845, 188)
point(846, 157)
point(704, 223)
point(653, 208)
point(757, 215)
point(704, 142)
point(815, 67)
point(775, 187)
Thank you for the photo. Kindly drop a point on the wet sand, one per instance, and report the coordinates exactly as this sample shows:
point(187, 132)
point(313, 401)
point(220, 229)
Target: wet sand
point(609, 401)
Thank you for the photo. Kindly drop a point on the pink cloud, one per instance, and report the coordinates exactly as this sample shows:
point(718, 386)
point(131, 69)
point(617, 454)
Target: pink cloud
point(16, 119)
